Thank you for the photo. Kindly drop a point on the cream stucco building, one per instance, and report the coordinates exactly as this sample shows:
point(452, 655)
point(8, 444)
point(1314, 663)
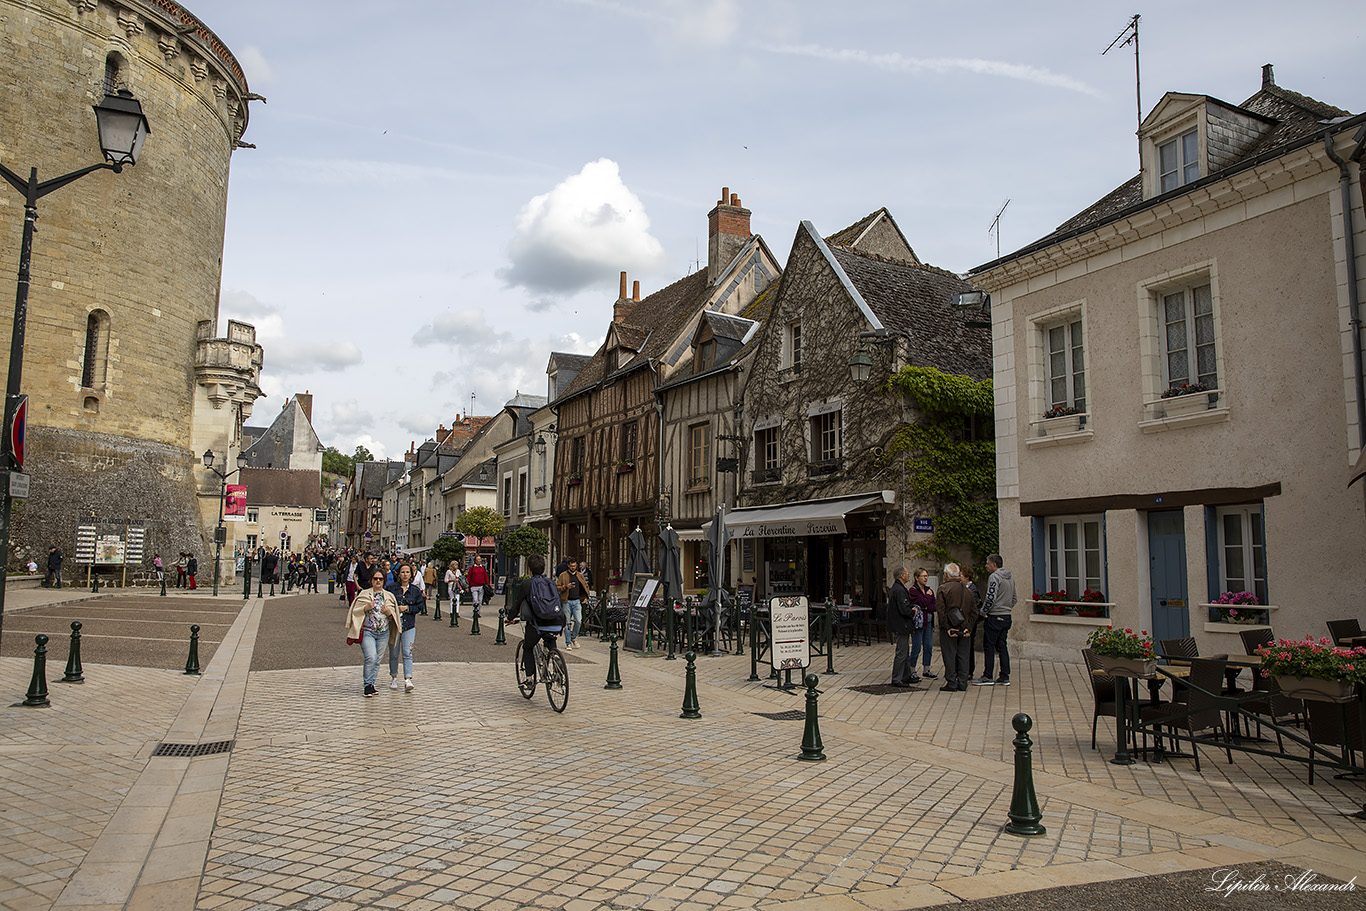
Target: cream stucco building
point(1223, 266)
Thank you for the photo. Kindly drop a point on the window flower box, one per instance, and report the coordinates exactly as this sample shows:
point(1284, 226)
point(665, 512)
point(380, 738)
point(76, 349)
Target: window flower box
point(1186, 399)
point(1057, 607)
point(1066, 423)
point(575, 480)
point(625, 467)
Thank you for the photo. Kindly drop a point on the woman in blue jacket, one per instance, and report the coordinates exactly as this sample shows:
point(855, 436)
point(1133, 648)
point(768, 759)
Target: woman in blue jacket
point(411, 602)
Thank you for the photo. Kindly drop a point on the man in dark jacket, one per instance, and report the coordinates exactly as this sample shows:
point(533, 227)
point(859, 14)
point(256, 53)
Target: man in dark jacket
point(900, 618)
point(54, 568)
point(957, 613)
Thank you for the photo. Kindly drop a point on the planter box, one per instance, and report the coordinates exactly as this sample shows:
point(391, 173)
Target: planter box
point(1128, 667)
point(1068, 423)
point(575, 482)
point(625, 469)
point(1317, 689)
point(1181, 405)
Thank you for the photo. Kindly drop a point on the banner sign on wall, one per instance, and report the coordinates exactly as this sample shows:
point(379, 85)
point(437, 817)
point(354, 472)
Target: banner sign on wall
point(235, 503)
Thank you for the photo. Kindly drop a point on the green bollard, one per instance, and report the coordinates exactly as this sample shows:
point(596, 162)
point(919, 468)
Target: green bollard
point(74, 672)
point(753, 645)
point(649, 636)
point(163, 584)
point(455, 618)
point(437, 616)
point(500, 639)
point(474, 623)
point(613, 669)
point(246, 580)
point(830, 638)
point(192, 663)
point(272, 586)
point(669, 622)
point(260, 587)
point(690, 707)
point(1024, 805)
point(37, 685)
point(332, 587)
point(812, 748)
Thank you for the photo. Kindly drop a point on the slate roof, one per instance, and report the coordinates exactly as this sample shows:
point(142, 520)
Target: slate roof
point(848, 236)
point(657, 320)
point(283, 487)
point(274, 447)
point(723, 325)
point(1294, 116)
point(918, 300)
point(375, 475)
point(489, 478)
point(521, 407)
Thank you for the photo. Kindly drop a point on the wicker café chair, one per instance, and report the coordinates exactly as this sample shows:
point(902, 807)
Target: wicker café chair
point(1102, 692)
point(1274, 705)
point(1201, 709)
point(1343, 632)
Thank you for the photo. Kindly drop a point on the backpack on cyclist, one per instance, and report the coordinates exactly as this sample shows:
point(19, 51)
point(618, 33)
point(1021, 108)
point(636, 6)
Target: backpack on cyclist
point(544, 601)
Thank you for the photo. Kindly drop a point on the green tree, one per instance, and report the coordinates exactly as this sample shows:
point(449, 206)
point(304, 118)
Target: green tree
point(447, 549)
point(479, 522)
point(526, 541)
point(336, 462)
point(362, 455)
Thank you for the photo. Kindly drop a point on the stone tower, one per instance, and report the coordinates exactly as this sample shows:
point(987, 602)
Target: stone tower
point(127, 379)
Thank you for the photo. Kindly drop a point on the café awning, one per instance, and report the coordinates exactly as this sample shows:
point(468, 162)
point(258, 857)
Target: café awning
point(809, 517)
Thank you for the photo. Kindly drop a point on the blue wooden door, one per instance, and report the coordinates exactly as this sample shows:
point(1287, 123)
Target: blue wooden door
point(1167, 549)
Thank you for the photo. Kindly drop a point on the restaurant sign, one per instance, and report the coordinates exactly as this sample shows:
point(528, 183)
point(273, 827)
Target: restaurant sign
point(829, 525)
point(791, 633)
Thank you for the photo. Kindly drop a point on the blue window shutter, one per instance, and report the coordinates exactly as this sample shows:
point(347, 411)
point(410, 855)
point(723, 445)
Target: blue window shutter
point(1036, 532)
point(1212, 555)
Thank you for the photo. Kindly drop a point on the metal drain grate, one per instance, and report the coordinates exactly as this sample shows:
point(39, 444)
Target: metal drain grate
point(793, 715)
point(883, 689)
point(193, 749)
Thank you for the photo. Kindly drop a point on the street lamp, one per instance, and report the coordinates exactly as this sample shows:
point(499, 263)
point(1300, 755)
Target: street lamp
point(861, 365)
point(220, 534)
point(976, 307)
point(122, 131)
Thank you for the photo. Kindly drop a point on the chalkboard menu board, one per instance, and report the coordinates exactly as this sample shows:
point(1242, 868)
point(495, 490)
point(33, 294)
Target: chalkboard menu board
point(635, 628)
point(744, 598)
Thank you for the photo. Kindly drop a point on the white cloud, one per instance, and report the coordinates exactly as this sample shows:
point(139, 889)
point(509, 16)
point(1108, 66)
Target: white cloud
point(284, 354)
point(350, 419)
point(420, 424)
point(706, 22)
point(583, 232)
point(255, 66)
point(898, 63)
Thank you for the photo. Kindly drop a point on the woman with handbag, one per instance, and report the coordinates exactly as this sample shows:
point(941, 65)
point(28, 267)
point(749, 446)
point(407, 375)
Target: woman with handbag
point(411, 601)
point(373, 613)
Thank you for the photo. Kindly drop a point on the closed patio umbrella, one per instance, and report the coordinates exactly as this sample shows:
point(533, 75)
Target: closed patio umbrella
point(718, 536)
point(638, 560)
point(670, 565)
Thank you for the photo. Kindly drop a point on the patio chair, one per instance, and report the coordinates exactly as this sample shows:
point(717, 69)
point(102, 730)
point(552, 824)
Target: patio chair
point(1254, 639)
point(1274, 705)
point(1179, 648)
point(1200, 712)
point(1342, 632)
point(1102, 692)
point(1326, 729)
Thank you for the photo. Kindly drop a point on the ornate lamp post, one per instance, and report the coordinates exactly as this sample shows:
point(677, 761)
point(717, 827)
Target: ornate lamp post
point(220, 534)
point(122, 130)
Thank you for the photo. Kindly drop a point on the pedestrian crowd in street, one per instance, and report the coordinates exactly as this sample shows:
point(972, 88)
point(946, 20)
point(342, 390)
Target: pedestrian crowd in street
point(959, 610)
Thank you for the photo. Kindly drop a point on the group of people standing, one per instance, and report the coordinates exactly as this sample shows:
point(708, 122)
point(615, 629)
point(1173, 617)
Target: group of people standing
point(957, 609)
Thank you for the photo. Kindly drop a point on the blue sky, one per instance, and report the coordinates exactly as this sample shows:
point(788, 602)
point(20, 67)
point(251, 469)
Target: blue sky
point(444, 192)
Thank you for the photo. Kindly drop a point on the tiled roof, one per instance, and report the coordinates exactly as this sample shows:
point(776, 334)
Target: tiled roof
point(374, 475)
point(658, 318)
point(918, 300)
point(1295, 116)
point(283, 487)
point(723, 325)
point(846, 236)
point(482, 475)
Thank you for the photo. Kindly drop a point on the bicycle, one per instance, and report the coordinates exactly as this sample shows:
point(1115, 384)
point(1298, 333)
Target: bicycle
point(550, 669)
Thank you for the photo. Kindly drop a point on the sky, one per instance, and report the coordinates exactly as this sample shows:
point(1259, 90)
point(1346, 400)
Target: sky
point(445, 191)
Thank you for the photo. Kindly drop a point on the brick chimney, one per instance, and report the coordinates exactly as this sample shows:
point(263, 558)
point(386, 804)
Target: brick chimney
point(305, 401)
point(727, 231)
point(1268, 76)
point(624, 304)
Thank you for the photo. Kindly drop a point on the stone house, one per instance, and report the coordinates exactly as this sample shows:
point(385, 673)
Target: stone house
point(818, 514)
point(515, 457)
point(1178, 381)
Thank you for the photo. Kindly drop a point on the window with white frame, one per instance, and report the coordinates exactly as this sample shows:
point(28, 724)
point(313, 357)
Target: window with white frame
point(1065, 366)
point(1074, 554)
point(1242, 550)
point(521, 492)
point(253, 515)
point(1188, 336)
point(827, 436)
point(1178, 161)
point(507, 496)
point(792, 346)
point(766, 449)
point(699, 456)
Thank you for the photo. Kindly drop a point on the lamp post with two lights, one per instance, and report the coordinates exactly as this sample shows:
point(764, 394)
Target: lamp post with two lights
point(220, 533)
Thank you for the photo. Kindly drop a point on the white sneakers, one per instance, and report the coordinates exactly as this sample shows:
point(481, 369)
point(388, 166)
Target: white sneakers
point(393, 683)
point(408, 685)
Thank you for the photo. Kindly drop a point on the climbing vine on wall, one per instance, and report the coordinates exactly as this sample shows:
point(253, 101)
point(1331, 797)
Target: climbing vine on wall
point(948, 471)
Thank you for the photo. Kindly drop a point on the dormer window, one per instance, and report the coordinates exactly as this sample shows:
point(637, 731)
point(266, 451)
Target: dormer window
point(613, 360)
point(1179, 161)
point(706, 355)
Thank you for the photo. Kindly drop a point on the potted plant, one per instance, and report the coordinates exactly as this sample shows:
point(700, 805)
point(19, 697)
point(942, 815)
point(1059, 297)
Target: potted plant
point(1092, 596)
point(1123, 653)
point(575, 478)
point(625, 466)
point(1049, 602)
point(1314, 668)
point(1185, 399)
point(1234, 608)
point(1061, 419)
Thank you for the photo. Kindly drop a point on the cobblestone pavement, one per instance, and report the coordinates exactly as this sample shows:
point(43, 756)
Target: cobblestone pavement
point(464, 795)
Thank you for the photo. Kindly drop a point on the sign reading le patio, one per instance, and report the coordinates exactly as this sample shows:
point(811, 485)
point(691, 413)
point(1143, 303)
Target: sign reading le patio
point(791, 633)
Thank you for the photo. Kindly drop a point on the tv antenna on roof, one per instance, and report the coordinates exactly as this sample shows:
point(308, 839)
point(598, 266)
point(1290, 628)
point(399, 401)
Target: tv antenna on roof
point(996, 229)
point(1124, 39)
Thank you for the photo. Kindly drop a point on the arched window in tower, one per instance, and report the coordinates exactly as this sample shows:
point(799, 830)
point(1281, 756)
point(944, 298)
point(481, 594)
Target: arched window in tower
point(112, 65)
point(96, 361)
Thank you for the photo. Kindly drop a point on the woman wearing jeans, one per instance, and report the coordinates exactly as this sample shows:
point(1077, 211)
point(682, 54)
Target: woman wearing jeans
point(411, 602)
point(922, 637)
point(372, 615)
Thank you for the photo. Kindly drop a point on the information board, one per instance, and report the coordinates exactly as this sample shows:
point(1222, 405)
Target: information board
point(744, 598)
point(635, 628)
point(790, 633)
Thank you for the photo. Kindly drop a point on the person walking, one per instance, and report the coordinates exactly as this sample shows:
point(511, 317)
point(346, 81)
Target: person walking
point(902, 614)
point(477, 577)
point(373, 612)
point(311, 575)
point(180, 570)
point(956, 616)
point(411, 601)
point(996, 607)
point(354, 577)
point(54, 568)
point(572, 586)
point(157, 567)
point(453, 586)
point(191, 570)
point(922, 635)
point(429, 580)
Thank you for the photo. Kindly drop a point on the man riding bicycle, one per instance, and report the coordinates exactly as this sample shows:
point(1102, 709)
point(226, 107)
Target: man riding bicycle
point(547, 630)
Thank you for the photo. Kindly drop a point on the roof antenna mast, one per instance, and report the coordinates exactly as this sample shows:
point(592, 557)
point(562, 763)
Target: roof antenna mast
point(996, 229)
point(1124, 39)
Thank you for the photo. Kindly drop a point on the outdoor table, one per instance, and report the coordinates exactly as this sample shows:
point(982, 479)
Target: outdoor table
point(853, 613)
point(1123, 694)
